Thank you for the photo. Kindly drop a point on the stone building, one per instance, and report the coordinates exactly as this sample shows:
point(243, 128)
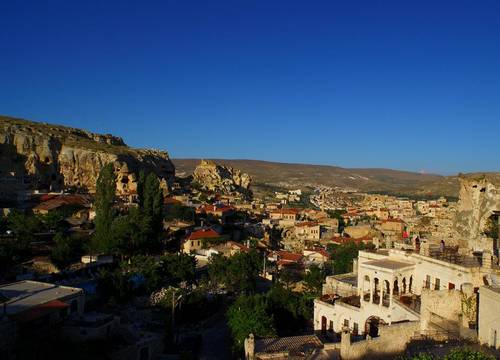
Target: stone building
point(389, 287)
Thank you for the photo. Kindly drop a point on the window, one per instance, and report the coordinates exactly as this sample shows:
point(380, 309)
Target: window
point(437, 284)
point(451, 286)
point(356, 328)
point(346, 323)
point(428, 282)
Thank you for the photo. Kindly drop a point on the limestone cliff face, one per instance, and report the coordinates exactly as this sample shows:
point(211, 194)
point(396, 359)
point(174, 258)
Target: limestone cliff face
point(213, 177)
point(47, 156)
point(479, 198)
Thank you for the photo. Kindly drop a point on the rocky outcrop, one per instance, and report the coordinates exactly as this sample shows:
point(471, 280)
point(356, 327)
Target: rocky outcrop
point(479, 199)
point(210, 176)
point(44, 156)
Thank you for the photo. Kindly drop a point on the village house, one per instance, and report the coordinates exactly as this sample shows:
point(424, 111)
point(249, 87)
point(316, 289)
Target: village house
point(308, 230)
point(194, 241)
point(284, 217)
point(316, 256)
point(31, 308)
point(219, 211)
point(61, 201)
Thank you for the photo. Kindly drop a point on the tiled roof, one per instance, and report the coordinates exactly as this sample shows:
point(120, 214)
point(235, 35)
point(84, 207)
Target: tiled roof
point(289, 256)
point(63, 200)
point(307, 224)
point(203, 234)
point(293, 345)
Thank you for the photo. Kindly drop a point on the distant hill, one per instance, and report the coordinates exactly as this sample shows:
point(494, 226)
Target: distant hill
point(285, 175)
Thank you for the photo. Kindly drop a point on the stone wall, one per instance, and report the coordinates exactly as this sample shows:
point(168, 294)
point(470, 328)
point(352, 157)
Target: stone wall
point(392, 341)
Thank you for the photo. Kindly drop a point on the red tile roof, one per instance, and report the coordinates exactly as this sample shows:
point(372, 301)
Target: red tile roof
point(321, 251)
point(203, 234)
point(288, 256)
point(63, 200)
point(40, 310)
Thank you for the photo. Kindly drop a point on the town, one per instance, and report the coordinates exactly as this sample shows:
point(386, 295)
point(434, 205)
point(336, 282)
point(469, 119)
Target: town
point(116, 257)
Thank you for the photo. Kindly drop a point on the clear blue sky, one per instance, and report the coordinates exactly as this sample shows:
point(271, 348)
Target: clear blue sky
point(397, 84)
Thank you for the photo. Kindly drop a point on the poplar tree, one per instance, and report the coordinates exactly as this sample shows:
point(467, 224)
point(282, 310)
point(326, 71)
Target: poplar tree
point(104, 207)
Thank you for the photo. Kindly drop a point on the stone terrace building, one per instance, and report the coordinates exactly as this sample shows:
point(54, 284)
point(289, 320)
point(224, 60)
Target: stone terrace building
point(388, 288)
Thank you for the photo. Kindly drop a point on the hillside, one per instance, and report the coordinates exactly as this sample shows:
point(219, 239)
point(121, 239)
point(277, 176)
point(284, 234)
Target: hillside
point(36, 155)
point(287, 175)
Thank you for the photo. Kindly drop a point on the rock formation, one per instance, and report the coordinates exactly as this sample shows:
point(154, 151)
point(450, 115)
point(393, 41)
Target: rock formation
point(43, 156)
point(479, 199)
point(219, 178)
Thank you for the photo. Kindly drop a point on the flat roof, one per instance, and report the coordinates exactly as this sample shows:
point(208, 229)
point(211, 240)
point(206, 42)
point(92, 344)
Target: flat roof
point(388, 264)
point(24, 295)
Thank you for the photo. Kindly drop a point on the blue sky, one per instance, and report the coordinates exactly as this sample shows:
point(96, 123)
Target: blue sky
point(396, 84)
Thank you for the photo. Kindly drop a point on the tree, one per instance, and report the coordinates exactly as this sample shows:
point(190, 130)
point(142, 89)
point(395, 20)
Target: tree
point(151, 203)
point(114, 285)
point(248, 316)
point(104, 206)
point(131, 233)
point(343, 255)
point(147, 267)
point(238, 273)
point(314, 280)
point(177, 268)
point(65, 250)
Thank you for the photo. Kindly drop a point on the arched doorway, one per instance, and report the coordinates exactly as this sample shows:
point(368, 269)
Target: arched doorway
point(395, 290)
point(372, 326)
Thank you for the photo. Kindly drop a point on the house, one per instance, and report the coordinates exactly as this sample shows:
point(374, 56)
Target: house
point(194, 240)
point(219, 211)
point(286, 258)
point(308, 230)
point(284, 217)
point(393, 227)
point(389, 286)
point(489, 316)
point(227, 249)
point(316, 256)
point(61, 201)
point(31, 310)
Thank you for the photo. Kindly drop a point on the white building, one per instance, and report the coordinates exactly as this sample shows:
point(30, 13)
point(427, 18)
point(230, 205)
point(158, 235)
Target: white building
point(389, 285)
point(489, 316)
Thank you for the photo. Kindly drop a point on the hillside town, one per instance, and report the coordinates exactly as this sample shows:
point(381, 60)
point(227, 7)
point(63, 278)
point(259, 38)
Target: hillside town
point(138, 263)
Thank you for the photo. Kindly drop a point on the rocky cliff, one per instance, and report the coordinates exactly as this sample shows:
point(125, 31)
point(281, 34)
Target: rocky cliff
point(44, 156)
point(479, 199)
point(218, 178)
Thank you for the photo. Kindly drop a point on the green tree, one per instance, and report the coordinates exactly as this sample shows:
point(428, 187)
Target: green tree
point(177, 268)
point(146, 266)
point(152, 203)
point(343, 255)
point(238, 273)
point(105, 211)
point(248, 315)
point(24, 227)
point(114, 285)
point(313, 280)
point(131, 234)
point(66, 250)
